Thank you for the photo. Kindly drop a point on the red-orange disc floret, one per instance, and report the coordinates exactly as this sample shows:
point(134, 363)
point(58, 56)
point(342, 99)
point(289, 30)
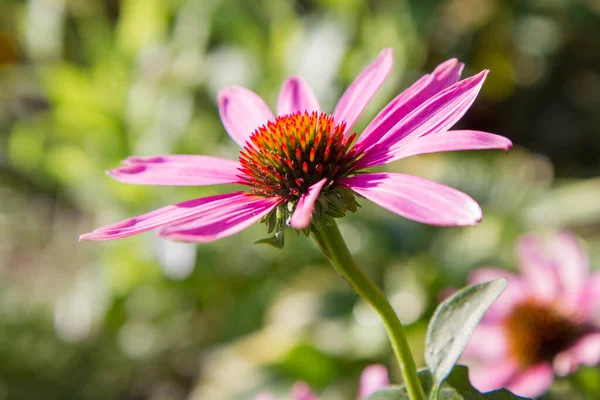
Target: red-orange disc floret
point(285, 157)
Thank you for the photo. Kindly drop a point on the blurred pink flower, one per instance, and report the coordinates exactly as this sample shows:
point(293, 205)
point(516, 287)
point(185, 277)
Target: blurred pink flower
point(302, 153)
point(542, 324)
point(373, 378)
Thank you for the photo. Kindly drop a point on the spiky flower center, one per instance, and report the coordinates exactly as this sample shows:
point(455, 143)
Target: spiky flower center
point(538, 332)
point(285, 157)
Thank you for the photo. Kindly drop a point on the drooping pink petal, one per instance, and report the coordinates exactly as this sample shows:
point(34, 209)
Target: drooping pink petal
point(182, 170)
point(441, 142)
point(417, 198)
point(301, 391)
point(227, 220)
point(572, 267)
point(242, 111)
point(296, 95)
point(169, 215)
point(437, 114)
point(359, 93)
point(533, 382)
point(488, 342)
point(493, 375)
point(372, 379)
point(537, 270)
point(515, 292)
point(589, 303)
point(304, 209)
point(443, 76)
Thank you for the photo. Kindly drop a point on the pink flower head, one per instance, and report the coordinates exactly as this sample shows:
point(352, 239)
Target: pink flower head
point(372, 379)
point(303, 159)
point(542, 324)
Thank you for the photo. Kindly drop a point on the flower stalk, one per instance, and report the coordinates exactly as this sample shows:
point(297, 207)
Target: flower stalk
point(334, 247)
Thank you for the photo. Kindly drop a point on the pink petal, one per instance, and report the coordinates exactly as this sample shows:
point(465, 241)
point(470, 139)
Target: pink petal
point(488, 342)
point(533, 382)
point(417, 198)
point(359, 93)
point(183, 170)
point(227, 220)
point(265, 396)
point(589, 303)
point(304, 209)
point(169, 215)
point(442, 142)
point(538, 272)
point(372, 379)
point(492, 376)
point(295, 96)
point(586, 351)
point(565, 363)
point(437, 114)
point(242, 112)
point(301, 391)
point(515, 292)
point(443, 76)
point(572, 267)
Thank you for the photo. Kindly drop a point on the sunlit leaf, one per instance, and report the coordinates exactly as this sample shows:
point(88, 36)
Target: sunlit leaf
point(453, 324)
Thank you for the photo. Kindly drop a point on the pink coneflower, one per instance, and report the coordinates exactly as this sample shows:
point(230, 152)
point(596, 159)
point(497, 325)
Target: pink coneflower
point(542, 324)
point(302, 166)
point(372, 379)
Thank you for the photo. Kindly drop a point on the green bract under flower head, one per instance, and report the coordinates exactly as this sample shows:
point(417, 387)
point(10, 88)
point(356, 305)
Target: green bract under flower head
point(287, 156)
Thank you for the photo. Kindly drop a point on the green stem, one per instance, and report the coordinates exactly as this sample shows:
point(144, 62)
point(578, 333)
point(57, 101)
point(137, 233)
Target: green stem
point(333, 246)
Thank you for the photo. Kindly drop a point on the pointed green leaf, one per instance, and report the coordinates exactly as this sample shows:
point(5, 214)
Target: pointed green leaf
point(453, 324)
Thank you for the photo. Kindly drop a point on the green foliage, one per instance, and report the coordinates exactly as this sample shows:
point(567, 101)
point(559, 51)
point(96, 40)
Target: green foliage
point(453, 323)
point(448, 332)
point(456, 387)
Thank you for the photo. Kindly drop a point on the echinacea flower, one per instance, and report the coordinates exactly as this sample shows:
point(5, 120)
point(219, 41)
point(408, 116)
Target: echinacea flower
point(301, 166)
point(372, 379)
point(542, 324)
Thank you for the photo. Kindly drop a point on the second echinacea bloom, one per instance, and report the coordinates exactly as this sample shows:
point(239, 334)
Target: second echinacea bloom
point(302, 166)
point(543, 324)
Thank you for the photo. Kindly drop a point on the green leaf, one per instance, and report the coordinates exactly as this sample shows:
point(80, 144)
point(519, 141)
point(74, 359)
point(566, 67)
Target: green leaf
point(456, 387)
point(400, 393)
point(453, 324)
point(459, 382)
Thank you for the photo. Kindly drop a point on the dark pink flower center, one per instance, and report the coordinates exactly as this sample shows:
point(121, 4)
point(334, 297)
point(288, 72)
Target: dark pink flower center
point(285, 157)
point(538, 332)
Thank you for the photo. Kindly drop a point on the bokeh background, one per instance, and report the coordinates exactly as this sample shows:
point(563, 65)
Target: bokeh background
point(85, 83)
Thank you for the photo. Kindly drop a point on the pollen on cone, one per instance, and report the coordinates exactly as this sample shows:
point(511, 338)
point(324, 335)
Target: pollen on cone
point(286, 156)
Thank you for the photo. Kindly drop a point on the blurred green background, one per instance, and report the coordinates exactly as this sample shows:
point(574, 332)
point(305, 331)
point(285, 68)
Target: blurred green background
point(85, 83)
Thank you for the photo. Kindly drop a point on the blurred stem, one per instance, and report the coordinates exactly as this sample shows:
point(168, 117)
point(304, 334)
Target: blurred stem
point(333, 246)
